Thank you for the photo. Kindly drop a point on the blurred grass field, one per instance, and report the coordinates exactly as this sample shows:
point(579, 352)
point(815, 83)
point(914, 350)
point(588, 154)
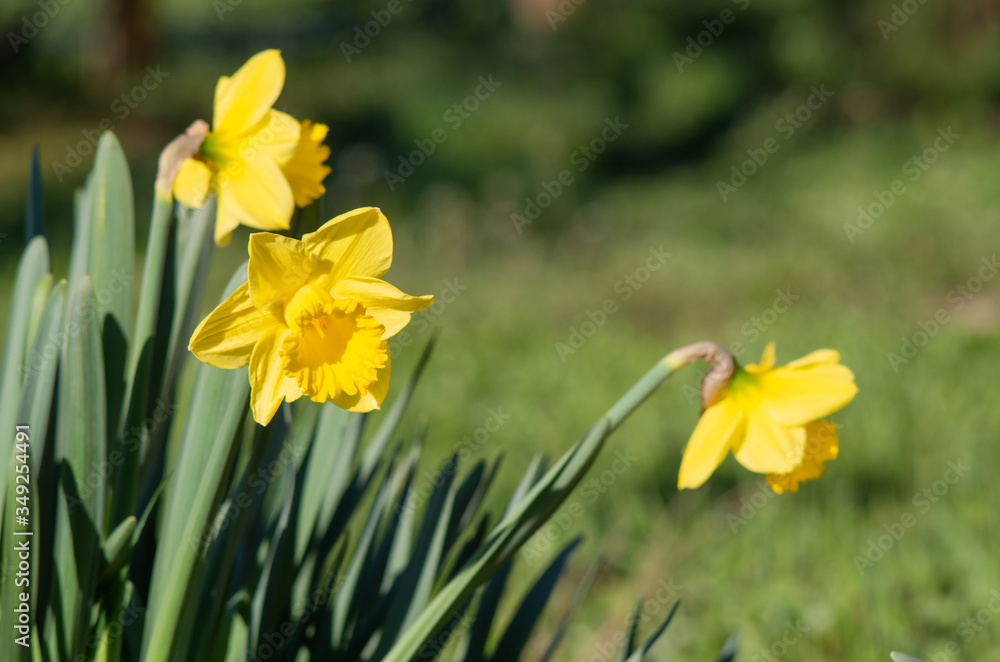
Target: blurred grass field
point(803, 567)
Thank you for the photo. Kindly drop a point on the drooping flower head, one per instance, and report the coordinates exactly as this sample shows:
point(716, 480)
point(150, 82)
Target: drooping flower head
point(313, 318)
point(260, 162)
point(765, 416)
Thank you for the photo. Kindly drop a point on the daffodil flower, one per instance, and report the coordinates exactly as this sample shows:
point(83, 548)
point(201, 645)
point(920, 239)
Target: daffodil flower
point(260, 162)
point(313, 318)
point(763, 416)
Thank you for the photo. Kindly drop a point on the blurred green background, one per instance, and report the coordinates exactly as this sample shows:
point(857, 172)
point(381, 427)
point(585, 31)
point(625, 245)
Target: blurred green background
point(890, 107)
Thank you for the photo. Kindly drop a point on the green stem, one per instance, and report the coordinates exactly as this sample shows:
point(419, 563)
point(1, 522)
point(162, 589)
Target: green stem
point(152, 284)
point(138, 387)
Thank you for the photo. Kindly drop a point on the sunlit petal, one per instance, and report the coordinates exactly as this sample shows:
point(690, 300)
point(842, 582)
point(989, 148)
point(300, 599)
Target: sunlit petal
point(384, 302)
point(242, 100)
point(358, 243)
point(226, 338)
point(710, 442)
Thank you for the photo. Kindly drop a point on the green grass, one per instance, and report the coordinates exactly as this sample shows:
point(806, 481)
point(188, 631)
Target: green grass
point(793, 561)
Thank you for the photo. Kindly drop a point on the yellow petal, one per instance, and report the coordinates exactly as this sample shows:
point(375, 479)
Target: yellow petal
point(194, 180)
point(256, 193)
point(820, 356)
point(278, 139)
point(227, 336)
point(221, 88)
point(243, 100)
point(278, 267)
point(822, 446)
point(390, 307)
point(766, 361)
point(305, 170)
point(227, 219)
point(768, 446)
point(796, 396)
point(268, 383)
point(371, 399)
point(358, 243)
point(718, 426)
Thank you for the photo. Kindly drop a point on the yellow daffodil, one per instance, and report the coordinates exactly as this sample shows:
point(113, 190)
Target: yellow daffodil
point(763, 414)
point(248, 154)
point(313, 318)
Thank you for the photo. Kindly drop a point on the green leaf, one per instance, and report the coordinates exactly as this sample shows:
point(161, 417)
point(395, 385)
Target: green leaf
point(411, 590)
point(32, 269)
point(728, 651)
point(137, 393)
point(81, 446)
point(41, 368)
point(642, 650)
point(903, 657)
point(34, 211)
point(581, 593)
point(334, 634)
point(111, 233)
point(633, 633)
point(118, 547)
point(516, 636)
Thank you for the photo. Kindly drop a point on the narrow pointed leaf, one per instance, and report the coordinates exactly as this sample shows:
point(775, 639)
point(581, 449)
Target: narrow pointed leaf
point(34, 211)
point(516, 636)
